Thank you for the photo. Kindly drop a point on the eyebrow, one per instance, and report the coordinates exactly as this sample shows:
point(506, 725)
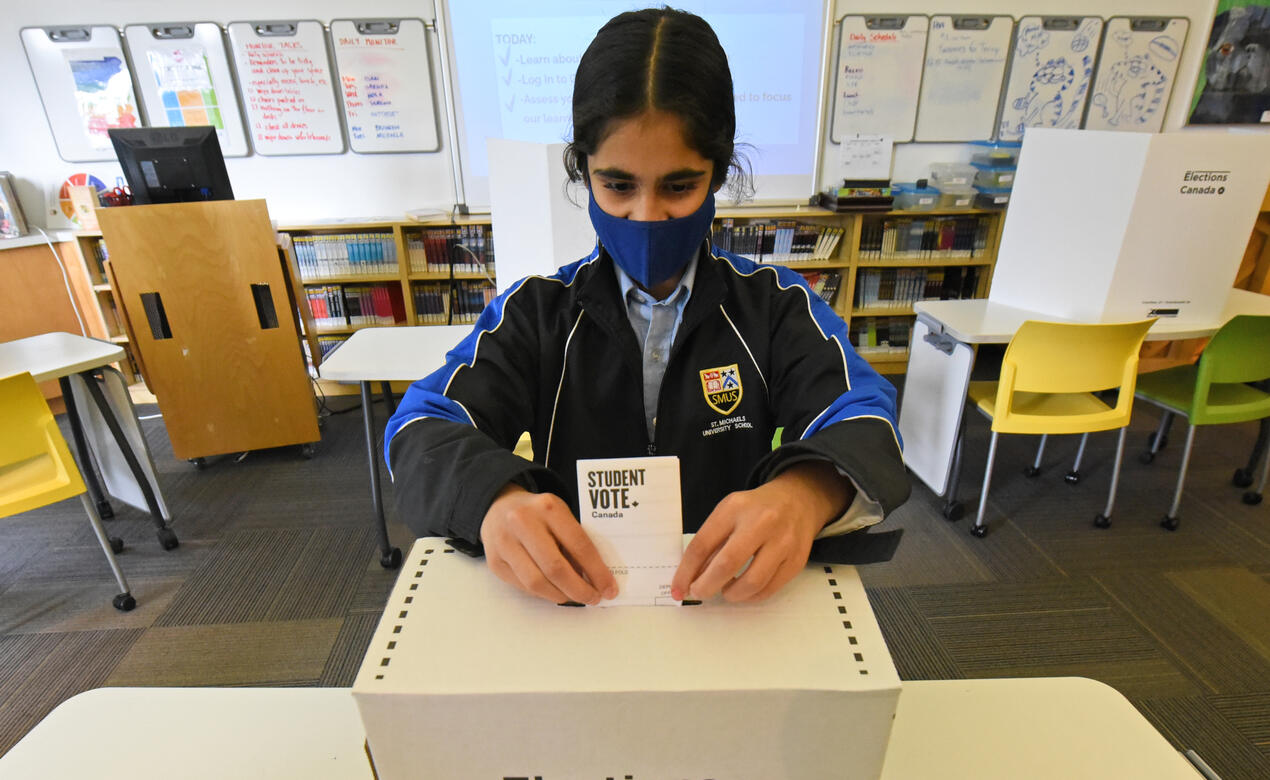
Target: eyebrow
point(676, 175)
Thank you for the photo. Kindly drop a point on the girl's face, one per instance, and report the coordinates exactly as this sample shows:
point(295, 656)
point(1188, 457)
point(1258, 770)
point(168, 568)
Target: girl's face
point(645, 171)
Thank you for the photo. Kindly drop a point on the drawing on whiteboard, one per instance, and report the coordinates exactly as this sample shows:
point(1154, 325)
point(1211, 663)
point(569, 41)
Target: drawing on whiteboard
point(1132, 87)
point(185, 87)
point(103, 94)
point(1058, 71)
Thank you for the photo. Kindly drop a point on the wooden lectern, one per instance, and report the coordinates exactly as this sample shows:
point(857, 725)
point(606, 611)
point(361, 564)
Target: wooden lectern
point(208, 309)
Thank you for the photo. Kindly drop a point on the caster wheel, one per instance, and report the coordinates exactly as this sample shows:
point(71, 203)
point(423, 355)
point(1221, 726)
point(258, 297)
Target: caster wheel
point(1147, 457)
point(116, 545)
point(307, 451)
point(953, 511)
point(979, 530)
point(105, 511)
point(167, 539)
point(1251, 498)
point(124, 602)
point(1031, 471)
point(1170, 523)
point(1164, 442)
point(1242, 478)
point(392, 560)
point(1102, 521)
point(198, 463)
point(1072, 477)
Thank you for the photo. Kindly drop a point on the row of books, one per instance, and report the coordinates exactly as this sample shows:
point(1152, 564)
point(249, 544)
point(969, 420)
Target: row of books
point(881, 335)
point(924, 238)
point(783, 241)
point(328, 343)
point(345, 254)
point(889, 288)
point(355, 305)
point(463, 248)
point(100, 257)
point(437, 304)
point(824, 283)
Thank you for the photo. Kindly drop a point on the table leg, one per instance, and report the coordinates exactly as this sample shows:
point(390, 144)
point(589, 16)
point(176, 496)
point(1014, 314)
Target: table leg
point(390, 400)
point(95, 493)
point(389, 556)
point(166, 537)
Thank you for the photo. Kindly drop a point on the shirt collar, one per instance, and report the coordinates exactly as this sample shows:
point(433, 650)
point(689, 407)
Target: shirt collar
point(682, 292)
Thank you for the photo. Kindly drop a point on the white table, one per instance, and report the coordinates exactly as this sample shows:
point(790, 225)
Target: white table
point(389, 354)
point(941, 356)
point(1042, 729)
point(106, 432)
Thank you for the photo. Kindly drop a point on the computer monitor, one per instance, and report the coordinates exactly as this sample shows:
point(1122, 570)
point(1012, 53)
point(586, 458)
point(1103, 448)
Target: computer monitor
point(172, 164)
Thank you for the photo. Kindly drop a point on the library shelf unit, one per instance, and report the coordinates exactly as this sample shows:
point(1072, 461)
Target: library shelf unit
point(106, 319)
point(885, 261)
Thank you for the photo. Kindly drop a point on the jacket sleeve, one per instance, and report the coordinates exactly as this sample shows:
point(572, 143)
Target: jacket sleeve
point(831, 404)
point(448, 445)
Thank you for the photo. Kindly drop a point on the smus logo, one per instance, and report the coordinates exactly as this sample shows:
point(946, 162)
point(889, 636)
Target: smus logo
point(1204, 182)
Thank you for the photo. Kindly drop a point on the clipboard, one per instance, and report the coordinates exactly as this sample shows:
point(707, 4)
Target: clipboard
point(85, 85)
point(1050, 73)
point(183, 77)
point(878, 76)
point(966, 58)
point(288, 91)
point(1136, 73)
point(385, 85)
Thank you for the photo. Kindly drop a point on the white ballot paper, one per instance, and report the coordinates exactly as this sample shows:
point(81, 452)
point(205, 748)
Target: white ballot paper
point(631, 510)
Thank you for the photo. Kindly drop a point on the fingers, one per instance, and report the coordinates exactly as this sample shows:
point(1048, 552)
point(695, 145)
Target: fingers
point(700, 553)
point(533, 543)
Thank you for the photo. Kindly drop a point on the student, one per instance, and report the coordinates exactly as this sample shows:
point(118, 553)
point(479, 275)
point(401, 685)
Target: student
point(655, 344)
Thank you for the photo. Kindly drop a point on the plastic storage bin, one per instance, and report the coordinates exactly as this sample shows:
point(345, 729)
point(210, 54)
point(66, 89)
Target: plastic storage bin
point(953, 198)
point(995, 154)
point(951, 175)
point(992, 198)
point(910, 197)
point(994, 177)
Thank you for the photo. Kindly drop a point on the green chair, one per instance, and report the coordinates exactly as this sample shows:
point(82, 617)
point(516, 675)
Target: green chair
point(1213, 391)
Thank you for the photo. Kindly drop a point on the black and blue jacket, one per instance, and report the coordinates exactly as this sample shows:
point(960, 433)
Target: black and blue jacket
point(556, 356)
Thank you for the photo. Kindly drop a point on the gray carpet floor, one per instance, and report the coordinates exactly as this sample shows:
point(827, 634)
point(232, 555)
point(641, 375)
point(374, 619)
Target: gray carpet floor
point(277, 582)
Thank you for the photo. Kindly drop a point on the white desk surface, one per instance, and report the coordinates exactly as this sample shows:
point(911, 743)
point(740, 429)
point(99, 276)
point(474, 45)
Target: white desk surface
point(392, 353)
point(1045, 728)
point(980, 321)
point(54, 355)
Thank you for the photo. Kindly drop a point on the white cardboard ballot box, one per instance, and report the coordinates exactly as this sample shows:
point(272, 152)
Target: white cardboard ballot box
point(468, 678)
point(1107, 226)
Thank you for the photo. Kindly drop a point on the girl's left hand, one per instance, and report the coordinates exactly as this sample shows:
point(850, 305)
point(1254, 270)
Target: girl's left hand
point(774, 524)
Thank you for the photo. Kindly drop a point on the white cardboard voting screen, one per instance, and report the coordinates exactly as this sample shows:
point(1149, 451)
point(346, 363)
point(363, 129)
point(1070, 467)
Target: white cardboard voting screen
point(466, 677)
point(1108, 226)
point(532, 211)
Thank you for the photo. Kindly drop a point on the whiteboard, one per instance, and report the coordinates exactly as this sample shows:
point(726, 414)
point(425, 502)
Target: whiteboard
point(1050, 74)
point(85, 85)
point(285, 77)
point(961, 83)
point(385, 85)
point(1136, 71)
point(184, 80)
point(879, 75)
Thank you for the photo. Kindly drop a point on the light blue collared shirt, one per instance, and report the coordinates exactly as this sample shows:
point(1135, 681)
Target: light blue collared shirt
point(655, 323)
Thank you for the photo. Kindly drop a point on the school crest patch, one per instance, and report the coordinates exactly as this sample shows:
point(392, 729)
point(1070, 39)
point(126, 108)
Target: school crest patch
point(722, 388)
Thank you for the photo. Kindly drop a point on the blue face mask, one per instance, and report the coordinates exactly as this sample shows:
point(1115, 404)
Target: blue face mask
point(652, 252)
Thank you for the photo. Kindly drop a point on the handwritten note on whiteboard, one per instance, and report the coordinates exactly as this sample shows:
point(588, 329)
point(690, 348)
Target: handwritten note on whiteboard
point(878, 76)
point(965, 62)
point(285, 78)
point(385, 79)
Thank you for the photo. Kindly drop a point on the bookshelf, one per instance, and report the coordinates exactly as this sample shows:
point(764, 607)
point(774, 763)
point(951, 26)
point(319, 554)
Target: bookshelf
point(884, 262)
point(395, 272)
point(94, 257)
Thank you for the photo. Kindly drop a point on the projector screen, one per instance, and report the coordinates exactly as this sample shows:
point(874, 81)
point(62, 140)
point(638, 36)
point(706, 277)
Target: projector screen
point(513, 78)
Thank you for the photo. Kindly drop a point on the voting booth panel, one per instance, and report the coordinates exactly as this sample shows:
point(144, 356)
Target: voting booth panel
point(1110, 226)
point(466, 677)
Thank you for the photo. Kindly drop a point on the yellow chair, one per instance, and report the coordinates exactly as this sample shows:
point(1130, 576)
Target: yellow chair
point(1214, 391)
point(36, 468)
point(1049, 375)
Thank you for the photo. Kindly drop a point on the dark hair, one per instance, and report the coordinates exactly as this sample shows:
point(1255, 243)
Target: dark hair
point(663, 59)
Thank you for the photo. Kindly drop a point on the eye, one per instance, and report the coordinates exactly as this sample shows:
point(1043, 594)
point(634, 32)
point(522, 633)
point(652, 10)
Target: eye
point(620, 187)
point(680, 187)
